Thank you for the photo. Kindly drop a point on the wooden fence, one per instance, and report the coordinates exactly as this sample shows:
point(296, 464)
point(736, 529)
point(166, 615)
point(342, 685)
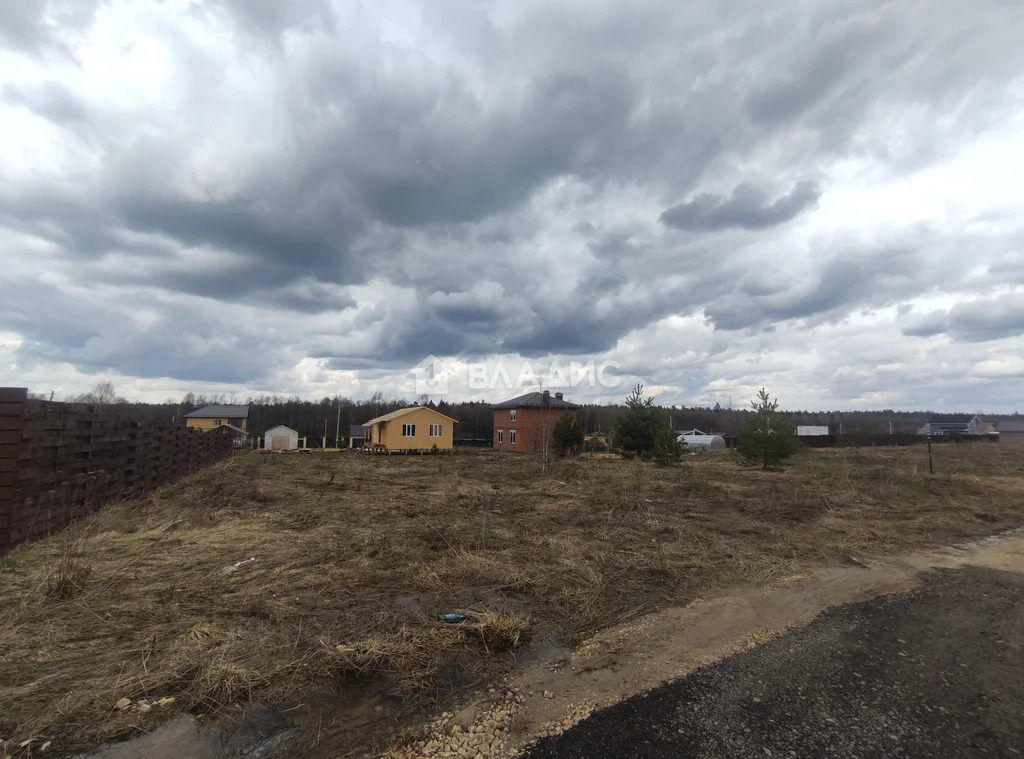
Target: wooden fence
point(59, 461)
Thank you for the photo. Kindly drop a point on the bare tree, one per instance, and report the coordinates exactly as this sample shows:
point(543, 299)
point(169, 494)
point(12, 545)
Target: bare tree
point(103, 394)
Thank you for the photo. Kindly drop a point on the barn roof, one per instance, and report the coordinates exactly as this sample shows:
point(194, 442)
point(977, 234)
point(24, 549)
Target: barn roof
point(219, 412)
point(1010, 426)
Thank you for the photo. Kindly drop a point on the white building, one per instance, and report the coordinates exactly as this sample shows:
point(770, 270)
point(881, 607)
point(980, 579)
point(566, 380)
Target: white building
point(812, 430)
point(281, 438)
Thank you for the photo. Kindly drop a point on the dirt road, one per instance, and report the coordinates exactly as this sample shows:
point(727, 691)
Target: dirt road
point(936, 671)
point(831, 663)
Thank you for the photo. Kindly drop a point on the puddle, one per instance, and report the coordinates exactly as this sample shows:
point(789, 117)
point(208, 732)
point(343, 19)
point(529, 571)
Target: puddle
point(327, 723)
point(259, 736)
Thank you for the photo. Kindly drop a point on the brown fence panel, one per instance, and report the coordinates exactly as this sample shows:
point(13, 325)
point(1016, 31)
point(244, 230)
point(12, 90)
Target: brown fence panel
point(59, 461)
point(12, 424)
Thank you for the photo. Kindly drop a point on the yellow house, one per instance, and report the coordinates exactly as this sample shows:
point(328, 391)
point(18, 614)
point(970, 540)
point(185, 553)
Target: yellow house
point(418, 428)
point(212, 417)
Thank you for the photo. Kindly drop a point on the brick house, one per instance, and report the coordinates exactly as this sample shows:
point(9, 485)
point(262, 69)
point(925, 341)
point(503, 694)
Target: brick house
point(526, 424)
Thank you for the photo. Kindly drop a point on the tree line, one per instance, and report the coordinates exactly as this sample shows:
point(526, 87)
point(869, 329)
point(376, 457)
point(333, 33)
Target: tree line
point(337, 414)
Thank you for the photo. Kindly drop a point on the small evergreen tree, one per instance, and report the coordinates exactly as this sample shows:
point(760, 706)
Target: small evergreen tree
point(640, 430)
point(767, 438)
point(668, 448)
point(568, 435)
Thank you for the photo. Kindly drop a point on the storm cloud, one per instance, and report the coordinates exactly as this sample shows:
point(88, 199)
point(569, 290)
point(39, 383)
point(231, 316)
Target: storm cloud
point(975, 321)
point(307, 197)
point(748, 207)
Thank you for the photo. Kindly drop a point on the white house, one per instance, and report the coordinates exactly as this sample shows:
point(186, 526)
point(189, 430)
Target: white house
point(281, 438)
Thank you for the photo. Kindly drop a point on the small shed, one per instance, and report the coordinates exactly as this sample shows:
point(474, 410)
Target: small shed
point(281, 438)
point(812, 430)
point(356, 436)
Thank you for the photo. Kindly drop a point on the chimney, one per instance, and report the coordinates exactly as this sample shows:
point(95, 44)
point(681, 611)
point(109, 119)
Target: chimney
point(547, 397)
point(558, 396)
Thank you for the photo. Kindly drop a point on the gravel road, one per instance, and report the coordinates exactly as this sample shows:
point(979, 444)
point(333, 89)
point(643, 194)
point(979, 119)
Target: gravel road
point(937, 672)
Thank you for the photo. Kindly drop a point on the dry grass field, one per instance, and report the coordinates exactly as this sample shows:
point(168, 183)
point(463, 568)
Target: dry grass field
point(355, 556)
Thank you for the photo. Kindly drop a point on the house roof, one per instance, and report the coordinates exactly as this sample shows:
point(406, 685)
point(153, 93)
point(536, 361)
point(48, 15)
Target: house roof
point(535, 400)
point(281, 427)
point(952, 419)
point(1010, 426)
point(403, 411)
point(218, 412)
point(233, 428)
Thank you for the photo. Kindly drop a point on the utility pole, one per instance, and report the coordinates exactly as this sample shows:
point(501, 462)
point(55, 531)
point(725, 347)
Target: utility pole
point(337, 430)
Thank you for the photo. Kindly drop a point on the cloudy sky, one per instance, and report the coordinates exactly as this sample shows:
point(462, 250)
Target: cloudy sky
point(309, 197)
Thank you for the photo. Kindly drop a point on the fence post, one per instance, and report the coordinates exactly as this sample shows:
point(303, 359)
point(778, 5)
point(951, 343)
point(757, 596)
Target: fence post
point(12, 424)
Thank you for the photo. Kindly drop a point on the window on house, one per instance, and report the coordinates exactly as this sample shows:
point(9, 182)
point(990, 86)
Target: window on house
point(216, 422)
point(501, 436)
point(512, 415)
point(408, 430)
point(511, 437)
point(435, 430)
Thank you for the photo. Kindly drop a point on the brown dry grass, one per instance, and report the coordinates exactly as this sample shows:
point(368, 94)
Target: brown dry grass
point(356, 555)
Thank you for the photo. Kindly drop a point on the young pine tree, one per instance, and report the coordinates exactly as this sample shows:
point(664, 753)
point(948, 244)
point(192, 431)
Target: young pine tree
point(643, 431)
point(568, 435)
point(767, 438)
point(668, 448)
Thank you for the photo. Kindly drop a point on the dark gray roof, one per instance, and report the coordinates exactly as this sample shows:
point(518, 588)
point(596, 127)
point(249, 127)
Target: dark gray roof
point(220, 412)
point(535, 400)
point(355, 430)
point(951, 419)
point(1010, 426)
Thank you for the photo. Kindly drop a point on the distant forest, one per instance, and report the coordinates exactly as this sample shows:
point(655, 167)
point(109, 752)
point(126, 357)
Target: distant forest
point(317, 419)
